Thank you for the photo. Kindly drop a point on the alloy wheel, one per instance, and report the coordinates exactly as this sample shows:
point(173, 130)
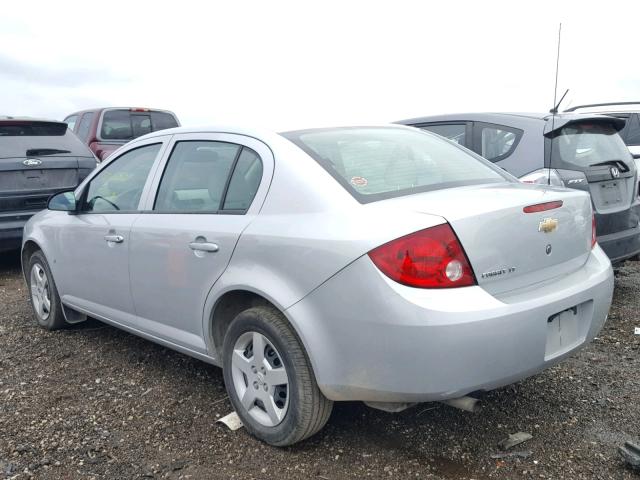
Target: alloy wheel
point(260, 379)
point(40, 291)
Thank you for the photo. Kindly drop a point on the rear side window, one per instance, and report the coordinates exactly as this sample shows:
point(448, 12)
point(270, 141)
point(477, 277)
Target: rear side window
point(454, 132)
point(126, 125)
point(196, 176)
point(244, 181)
point(71, 121)
point(199, 179)
point(633, 131)
point(85, 126)
point(587, 144)
point(377, 163)
point(496, 142)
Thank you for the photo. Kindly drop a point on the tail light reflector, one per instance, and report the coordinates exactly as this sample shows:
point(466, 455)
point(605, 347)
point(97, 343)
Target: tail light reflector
point(542, 207)
point(430, 258)
point(594, 239)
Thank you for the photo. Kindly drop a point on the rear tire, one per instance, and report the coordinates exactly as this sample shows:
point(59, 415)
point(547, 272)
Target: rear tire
point(282, 375)
point(44, 294)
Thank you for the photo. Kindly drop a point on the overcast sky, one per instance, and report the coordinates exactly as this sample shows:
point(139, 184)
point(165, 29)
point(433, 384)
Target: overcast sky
point(289, 64)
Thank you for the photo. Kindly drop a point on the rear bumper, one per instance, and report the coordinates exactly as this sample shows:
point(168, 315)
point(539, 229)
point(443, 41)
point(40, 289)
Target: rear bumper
point(372, 339)
point(620, 246)
point(11, 226)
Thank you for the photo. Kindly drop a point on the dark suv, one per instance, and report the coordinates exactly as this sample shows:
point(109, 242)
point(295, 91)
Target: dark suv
point(578, 151)
point(107, 129)
point(37, 159)
point(628, 111)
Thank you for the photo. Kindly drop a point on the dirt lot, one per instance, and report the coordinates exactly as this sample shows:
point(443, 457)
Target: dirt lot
point(95, 402)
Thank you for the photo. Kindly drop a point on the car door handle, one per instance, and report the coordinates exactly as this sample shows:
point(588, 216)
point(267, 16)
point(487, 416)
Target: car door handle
point(204, 246)
point(114, 238)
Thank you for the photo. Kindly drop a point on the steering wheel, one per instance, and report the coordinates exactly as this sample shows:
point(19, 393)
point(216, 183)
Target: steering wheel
point(92, 202)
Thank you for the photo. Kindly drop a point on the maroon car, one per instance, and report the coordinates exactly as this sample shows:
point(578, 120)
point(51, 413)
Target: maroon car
point(106, 129)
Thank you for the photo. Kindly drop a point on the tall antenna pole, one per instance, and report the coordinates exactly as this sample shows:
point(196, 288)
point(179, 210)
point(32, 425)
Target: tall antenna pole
point(554, 110)
point(555, 88)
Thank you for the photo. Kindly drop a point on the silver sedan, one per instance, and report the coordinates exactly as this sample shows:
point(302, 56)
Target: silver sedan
point(381, 264)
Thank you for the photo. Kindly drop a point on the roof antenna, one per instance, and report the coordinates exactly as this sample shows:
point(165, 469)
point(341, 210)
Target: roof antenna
point(556, 106)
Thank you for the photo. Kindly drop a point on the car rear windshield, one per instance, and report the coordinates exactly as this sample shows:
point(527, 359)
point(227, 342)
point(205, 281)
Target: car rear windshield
point(39, 139)
point(127, 124)
point(585, 144)
point(21, 128)
point(374, 163)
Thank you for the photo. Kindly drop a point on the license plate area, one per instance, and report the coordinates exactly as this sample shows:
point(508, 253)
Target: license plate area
point(567, 329)
point(611, 193)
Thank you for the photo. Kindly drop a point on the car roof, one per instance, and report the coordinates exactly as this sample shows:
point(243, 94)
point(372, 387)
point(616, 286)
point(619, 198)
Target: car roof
point(612, 107)
point(101, 109)
point(517, 120)
point(27, 119)
point(254, 131)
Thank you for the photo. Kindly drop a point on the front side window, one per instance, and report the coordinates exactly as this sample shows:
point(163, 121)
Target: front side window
point(71, 122)
point(119, 186)
point(85, 126)
point(497, 142)
point(374, 163)
point(454, 132)
point(587, 144)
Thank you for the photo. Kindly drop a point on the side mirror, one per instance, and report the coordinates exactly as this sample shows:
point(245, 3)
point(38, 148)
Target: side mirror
point(62, 202)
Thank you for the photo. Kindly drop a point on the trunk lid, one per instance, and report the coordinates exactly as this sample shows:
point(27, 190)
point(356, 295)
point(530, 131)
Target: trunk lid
point(508, 248)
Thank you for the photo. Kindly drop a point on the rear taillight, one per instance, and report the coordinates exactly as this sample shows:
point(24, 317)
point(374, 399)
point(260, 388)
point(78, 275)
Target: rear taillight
point(430, 258)
point(594, 240)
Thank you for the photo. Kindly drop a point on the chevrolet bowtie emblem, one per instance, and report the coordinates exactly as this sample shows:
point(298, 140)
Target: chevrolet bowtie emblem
point(548, 225)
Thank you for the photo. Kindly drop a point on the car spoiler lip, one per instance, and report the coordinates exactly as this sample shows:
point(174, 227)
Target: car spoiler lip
point(563, 120)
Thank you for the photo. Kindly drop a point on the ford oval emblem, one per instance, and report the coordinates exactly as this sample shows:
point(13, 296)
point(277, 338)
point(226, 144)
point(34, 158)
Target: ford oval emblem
point(32, 162)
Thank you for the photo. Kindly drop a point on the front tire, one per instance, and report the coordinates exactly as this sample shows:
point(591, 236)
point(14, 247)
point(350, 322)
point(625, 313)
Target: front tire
point(269, 379)
point(44, 294)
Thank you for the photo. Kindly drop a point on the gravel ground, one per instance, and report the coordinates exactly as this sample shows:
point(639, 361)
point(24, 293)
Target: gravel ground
point(95, 402)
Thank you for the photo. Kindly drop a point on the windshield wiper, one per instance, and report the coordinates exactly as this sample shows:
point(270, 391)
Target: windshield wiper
point(614, 163)
point(39, 152)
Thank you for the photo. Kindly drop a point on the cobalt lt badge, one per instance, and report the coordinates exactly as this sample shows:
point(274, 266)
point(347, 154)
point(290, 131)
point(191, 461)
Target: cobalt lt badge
point(548, 249)
point(548, 225)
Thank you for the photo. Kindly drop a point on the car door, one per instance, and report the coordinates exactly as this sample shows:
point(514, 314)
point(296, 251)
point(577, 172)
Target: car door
point(94, 242)
point(207, 191)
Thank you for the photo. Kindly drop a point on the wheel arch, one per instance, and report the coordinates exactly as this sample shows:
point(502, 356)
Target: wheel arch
point(227, 305)
point(28, 248)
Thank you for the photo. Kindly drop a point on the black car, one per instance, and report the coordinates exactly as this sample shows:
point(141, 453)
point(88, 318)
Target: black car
point(628, 111)
point(37, 159)
point(578, 151)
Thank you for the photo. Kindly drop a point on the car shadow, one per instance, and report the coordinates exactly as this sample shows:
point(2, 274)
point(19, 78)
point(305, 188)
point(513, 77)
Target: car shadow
point(10, 261)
